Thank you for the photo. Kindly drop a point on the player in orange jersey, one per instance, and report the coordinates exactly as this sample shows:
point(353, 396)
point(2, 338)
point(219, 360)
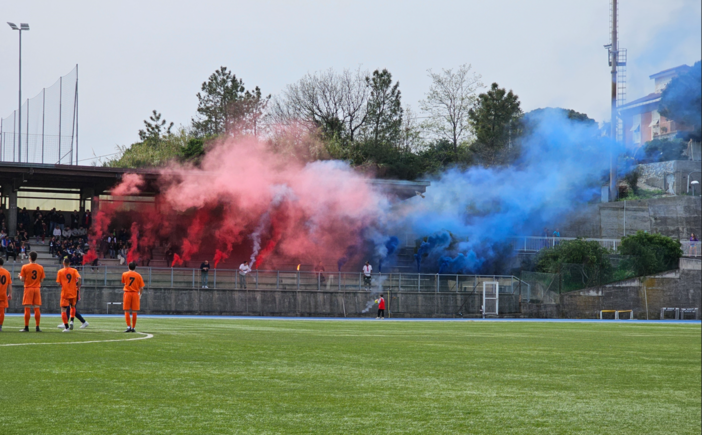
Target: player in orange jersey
point(5, 291)
point(133, 285)
point(69, 279)
point(32, 275)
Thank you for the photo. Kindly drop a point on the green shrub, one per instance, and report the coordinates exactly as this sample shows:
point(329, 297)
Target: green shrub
point(650, 253)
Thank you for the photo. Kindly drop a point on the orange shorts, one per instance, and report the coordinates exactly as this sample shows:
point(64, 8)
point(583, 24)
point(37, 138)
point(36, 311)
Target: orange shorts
point(3, 303)
point(67, 302)
point(131, 301)
point(32, 296)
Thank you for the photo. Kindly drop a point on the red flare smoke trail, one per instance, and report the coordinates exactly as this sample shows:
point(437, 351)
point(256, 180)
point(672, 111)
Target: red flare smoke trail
point(133, 254)
point(177, 261)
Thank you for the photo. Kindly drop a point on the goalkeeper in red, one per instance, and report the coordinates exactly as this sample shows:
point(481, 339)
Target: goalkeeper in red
point(69, 279)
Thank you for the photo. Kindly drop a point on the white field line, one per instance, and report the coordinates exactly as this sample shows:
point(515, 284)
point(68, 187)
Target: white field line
point(145, 337)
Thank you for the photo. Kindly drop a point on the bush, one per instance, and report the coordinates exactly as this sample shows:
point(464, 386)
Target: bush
point(650, 253)
point(580, 263)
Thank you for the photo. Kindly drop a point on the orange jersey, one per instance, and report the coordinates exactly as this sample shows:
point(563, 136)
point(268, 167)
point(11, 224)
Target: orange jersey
point(68, 278)
point(133, 282)
point(5, 282)
point(32, 274)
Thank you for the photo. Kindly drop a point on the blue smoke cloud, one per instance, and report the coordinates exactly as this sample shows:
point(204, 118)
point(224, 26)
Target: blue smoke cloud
point(468, 216)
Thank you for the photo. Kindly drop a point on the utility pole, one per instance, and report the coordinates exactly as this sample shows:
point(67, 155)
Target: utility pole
point(613, 58)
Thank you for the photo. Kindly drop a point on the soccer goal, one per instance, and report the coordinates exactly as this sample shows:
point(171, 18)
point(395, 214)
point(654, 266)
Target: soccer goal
point(491, 298)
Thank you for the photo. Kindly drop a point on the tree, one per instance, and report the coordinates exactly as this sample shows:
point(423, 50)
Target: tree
point(650, 253)
point(410, 133)
point(495, 121)
point(450, 97)
point(154, 129)
point(336, 103)
point(224, 105)
point(681, 101)
point(384, 111)
point(152, 153)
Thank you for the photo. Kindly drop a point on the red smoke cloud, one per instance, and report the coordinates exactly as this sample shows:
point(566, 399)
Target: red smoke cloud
point(246, 197)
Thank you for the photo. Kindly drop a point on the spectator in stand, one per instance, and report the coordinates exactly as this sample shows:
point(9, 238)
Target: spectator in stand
point(51, 219)
point(244, 269)
point(112, 240)
point(204, 272)
point(23, 252)
point(367, 272)
point(75, 219)
point(38, 221)
point(2, 217)
point(67, 234)
point(556, 236)
point(44, 231)
point(22, 232)
point(23, 218)
point(3, 244)
point(692, 251)
point(104, 247)
point(11, 251)
point(52, 246)
point(121, 253)
point(87, 219)
point(61, 220)
point(57, 232)
point(319, 269)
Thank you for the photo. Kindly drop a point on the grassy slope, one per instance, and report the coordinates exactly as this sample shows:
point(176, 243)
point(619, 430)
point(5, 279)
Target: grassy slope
point(198, 376)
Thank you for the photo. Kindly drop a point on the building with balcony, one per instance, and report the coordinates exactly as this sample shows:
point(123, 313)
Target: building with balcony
point(640, 118)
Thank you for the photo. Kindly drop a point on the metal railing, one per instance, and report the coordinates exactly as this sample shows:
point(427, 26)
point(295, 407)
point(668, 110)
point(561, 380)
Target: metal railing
point(533, 244)
point(155, 277)
point(530, 243)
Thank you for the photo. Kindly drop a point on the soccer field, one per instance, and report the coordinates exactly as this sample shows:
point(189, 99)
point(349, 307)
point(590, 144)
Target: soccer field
point(287, 376)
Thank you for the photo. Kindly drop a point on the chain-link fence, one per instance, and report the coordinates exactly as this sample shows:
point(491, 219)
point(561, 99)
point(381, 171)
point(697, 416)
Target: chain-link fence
point(545, 287)
point(45, 129)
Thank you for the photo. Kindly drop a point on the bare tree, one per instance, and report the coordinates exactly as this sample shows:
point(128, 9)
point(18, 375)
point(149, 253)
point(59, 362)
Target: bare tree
point(334, 102)
point(450, 97)
point(411, 133)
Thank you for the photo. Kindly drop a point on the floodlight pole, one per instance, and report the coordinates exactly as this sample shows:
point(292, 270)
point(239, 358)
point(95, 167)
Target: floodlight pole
point(19, 124)
point(614, 57)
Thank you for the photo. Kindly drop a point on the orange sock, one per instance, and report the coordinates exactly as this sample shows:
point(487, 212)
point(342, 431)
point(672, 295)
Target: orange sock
point(2, 316)
point(133, 320)
point(126, 317)
point(73, 312)
point(37, 315)
point(64, 317)
point(27, 315)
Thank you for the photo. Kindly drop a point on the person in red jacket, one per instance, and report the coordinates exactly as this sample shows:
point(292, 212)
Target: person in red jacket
point(381, 308)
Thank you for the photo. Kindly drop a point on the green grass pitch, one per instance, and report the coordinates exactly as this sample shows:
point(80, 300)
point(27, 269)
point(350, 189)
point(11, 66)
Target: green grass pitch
point(276, 376)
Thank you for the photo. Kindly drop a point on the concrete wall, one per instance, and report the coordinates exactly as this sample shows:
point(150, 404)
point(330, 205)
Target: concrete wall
point(277, 302)
point(670, 176)
point(681, 288)
point(673, 216)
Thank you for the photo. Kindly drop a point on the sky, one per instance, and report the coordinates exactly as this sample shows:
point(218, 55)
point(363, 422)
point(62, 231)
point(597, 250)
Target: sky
point(136, 56)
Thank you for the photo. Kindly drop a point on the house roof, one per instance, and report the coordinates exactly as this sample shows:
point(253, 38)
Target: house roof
point(648, 99)
point(678, 70)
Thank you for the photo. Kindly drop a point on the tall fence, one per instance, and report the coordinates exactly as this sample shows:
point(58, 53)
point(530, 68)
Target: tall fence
point(187, 278)
point(45, 129)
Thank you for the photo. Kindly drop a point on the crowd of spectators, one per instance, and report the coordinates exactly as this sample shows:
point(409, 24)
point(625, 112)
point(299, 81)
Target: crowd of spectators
point(67, 234)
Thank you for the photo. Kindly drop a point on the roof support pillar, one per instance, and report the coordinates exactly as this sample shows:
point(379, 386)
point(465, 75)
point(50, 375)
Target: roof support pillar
point(11, 194)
